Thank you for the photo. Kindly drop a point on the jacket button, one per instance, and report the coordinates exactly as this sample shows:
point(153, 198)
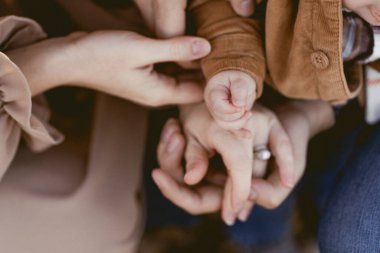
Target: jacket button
point(320, 60)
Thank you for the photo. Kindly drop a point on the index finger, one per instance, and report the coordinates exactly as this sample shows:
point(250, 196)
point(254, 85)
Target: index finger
point(185, 48)
point(237, 156)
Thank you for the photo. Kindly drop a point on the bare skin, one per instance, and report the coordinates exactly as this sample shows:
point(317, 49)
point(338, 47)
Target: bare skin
point(119, 63)
point(367, 9)
point(301, 120)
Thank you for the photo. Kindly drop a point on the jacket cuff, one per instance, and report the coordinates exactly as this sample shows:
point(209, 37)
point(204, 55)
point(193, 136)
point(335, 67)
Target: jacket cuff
point(237, 52)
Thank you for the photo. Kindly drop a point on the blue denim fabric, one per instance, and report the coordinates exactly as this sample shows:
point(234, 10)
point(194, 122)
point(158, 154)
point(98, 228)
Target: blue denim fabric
point(264, 228)
point(350, 222)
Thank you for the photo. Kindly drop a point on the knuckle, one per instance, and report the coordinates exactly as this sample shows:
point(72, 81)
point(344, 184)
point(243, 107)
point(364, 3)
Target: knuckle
point(240, 85)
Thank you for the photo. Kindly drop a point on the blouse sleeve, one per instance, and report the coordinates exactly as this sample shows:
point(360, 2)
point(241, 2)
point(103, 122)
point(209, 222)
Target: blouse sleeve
point(21, 117)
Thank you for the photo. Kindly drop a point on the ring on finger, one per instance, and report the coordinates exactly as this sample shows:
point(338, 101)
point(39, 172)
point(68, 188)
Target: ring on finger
point(262, 153)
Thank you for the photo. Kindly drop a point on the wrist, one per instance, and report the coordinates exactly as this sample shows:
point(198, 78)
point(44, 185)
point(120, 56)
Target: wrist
point(46, 64)
point(318, 115)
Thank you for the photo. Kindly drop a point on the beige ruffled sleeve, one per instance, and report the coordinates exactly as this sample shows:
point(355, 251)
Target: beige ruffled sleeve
point(20, 117)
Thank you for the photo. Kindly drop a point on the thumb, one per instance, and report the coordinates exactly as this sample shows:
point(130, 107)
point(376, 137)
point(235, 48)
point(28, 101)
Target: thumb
point(197, 162)
point(184, 48)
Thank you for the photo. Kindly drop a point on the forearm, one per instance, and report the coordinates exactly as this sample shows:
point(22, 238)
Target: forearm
point(46, 64)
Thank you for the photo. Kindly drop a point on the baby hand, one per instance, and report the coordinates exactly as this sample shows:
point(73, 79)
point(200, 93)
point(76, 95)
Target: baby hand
point(229, 96)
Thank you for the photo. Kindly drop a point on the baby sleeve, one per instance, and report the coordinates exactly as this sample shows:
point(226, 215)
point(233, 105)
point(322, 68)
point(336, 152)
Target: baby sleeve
point(20, 116)
point(236, 41)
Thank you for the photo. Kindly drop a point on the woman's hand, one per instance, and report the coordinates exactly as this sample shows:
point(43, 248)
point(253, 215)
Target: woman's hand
point(301, 120)
point(199, 199)
point(119, 63)
point(205, 137)
point(122, 64)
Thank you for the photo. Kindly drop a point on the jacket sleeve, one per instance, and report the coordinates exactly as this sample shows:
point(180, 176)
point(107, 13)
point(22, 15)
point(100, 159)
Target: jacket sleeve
point(21, 117)
point(236, 41)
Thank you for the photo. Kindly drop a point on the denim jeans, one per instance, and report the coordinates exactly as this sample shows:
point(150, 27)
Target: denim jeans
point(265, 229)
point(350, 221)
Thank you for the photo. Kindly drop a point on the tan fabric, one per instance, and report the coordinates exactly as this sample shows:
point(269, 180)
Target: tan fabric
point(16, 117)
point(236, 41)
point(303, 47)
point(304, 50)
point(77, 197)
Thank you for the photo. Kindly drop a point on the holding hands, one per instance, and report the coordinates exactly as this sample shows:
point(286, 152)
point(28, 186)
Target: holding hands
point(122, 63)
point(233, 192)
point(248, 181)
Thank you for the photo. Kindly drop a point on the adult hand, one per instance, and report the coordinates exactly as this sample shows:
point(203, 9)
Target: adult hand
point(119, 63)
point(200, 199)
point(122, 64)
point(301, 120)
point(205, 137)
point(167, 18)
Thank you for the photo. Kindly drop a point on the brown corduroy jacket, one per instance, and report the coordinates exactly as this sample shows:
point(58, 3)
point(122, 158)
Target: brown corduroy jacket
point(303, 47)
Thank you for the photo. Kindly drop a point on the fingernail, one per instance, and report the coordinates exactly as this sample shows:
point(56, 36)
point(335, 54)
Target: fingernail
point(200, 47)
point(189, 177)
point(230, 219)
point(173, 144)
point(168, 131)
point(243, 216)
point(246, 5)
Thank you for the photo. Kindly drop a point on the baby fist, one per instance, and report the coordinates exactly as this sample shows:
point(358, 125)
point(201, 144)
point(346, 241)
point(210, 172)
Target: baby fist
point(230, 95)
